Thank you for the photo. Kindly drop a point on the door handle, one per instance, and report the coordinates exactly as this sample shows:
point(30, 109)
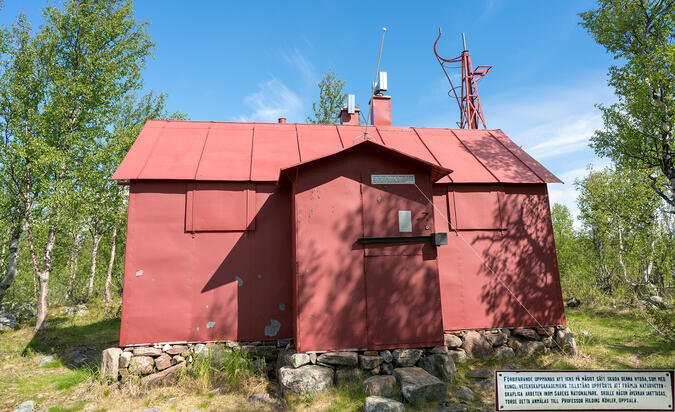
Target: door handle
point(437, 239)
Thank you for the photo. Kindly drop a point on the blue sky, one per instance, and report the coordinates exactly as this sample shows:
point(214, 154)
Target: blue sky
point(257, 61)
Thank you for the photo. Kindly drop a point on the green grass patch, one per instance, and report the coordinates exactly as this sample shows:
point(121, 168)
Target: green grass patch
point(619, 338)
point(73, 378)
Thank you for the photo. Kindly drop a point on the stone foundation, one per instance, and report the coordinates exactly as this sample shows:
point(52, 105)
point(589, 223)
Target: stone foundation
point(507, 343)
point(309, 372)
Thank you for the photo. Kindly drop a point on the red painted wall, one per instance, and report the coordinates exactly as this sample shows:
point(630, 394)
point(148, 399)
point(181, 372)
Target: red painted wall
point(355, 296)
point(189, 280)
point(522, 255)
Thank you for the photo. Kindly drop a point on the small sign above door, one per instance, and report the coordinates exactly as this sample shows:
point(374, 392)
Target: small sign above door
point(392, 179)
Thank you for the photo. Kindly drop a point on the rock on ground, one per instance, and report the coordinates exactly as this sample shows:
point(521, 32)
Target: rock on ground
point(382, 385)
point(299, 359)
point(77, 310)
point(386, 369)
point(407, 357)
point(306, 379)
point(25, 406)
point(418, 386)
point(7, 321)
point(480, 373)
point(458, 355)
point(475, 345)
point(527, 333)
point(125, 358)
point(528, 347)
point(162, 377)
point(565, 340)
point(370, 361)
point(147, 351)
point(339, 358)
point(387, 356)
point(177, 350)
point(573, 303)
point(659, 302)
point(110, 362)
point(452, 341)
point(496, 339)
point(162, 362)
point(141, 365)
point(380, 404)
point(46, 360)
point(267, 400)
point(440, 365)
point(465, 394)
point(504, 352)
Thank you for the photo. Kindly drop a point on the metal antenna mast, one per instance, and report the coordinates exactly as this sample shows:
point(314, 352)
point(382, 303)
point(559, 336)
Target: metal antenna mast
point(470, 109)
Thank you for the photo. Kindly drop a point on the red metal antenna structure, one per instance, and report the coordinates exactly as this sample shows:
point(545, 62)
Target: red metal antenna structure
point(470, 109)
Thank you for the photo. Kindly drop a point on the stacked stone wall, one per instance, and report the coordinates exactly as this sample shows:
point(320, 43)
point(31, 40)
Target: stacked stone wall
point(278, 359)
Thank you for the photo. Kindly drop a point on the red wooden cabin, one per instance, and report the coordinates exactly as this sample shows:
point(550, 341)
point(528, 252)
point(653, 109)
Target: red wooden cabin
point(340, 240)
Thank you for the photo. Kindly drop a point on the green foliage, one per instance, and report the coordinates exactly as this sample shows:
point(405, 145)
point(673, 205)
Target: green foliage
point(573, 258)
point(638, 129)
point(219, 365)
point(621, 253)
point(663, 320)
point(74, 378)
point(331, 100)
point(70, 109)
point(623, 222)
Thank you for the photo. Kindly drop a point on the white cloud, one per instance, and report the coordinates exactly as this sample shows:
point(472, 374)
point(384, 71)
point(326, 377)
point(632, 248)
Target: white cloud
point(297, 59)
point(568, 135)
point(272, 101)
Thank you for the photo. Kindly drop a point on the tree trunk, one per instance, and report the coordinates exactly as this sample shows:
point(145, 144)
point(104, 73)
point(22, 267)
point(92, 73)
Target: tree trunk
point(111, 263)
point(74, 258)
point(43, 277)
point(92, 273)
point(647, 272)
point(12, 263)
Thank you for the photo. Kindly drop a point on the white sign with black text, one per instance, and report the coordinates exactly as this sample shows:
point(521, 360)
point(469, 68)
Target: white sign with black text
point(392, 179)
point(584, 390)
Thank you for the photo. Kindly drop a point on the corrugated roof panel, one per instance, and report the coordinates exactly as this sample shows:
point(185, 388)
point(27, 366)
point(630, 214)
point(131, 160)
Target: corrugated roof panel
point(501, 163)
point(349, 135)
point(176, 154)
point(404, 139)
point(275, 146)
point(317, 141)
point(135, 159)
point(227, 153)
point(182, 150)
point(453, 155)
point(535, 166)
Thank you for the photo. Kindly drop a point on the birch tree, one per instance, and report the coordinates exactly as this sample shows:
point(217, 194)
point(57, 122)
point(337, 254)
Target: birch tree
point(638, 130)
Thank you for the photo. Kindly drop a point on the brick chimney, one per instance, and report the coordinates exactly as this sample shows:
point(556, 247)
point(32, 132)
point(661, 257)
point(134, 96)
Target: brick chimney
point(350, 119)
point(380, 111)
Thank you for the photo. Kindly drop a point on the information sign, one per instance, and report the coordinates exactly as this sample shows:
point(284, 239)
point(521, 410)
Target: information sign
point(629, 390)
point(392, 179)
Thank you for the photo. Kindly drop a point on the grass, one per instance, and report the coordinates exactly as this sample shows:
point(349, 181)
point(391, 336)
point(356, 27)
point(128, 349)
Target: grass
point(616, 339)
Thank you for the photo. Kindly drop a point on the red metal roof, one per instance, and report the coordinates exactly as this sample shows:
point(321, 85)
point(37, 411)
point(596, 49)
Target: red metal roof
point(188, 150)
point(437, 172)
